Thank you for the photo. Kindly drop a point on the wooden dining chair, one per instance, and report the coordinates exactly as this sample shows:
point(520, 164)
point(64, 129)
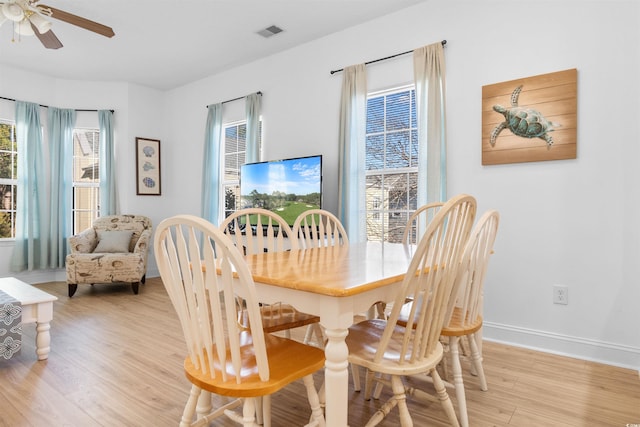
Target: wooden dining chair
point(317, 228)
point(411, 234)
point(464, 318)
point(386, 349)
point(257, 230)
point(204, 273)
point(464, 314)
point(418, 221)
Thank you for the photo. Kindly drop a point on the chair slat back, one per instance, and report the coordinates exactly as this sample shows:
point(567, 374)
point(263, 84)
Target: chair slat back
point(319, 228)
point(203, 273)
point(417, 223)
point(257, 230)
point(429, 281)
point(468, 288)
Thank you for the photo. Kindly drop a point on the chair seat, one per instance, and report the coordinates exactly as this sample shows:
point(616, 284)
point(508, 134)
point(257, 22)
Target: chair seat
point(296, 360)
point(362, 342)
point(279, 317)
point(457, 327)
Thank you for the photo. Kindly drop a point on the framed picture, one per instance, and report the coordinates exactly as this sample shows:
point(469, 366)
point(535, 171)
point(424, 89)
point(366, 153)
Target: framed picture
point(148, 181)
point(531, 119)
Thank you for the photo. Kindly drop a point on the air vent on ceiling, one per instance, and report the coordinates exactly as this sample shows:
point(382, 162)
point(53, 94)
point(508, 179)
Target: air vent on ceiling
point(270, 31)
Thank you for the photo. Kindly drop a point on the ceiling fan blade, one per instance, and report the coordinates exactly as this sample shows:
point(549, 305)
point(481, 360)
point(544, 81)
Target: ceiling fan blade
point(79, 21)
point(48, 39)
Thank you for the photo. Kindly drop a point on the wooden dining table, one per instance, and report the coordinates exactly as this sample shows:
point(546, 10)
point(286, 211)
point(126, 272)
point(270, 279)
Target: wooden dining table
point(335, 283)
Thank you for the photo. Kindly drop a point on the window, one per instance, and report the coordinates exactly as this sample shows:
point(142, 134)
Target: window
point(86, 178)
point(235, 148)
point(8, 179)
point(391, 162)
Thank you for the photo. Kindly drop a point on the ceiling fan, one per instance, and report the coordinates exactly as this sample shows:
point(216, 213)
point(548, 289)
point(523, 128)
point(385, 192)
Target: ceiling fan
point(29, 18)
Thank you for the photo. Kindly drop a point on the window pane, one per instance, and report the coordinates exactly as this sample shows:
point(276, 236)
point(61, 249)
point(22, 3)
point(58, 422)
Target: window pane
point(397, 150)
point(413, 191)
point(396, 224)
point(374, 158)
point(398, 105)
point(398, 191)
point(414, 148)
point(85, 202)
point(231, 199)
point(6, 159)
point(375, 115)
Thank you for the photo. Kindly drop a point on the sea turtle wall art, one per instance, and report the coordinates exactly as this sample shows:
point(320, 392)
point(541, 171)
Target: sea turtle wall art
point(524, 122)
point(530, 119)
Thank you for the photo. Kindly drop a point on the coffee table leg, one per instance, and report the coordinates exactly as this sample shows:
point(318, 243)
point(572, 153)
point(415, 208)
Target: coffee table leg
point(43, 325)
point(43, 340)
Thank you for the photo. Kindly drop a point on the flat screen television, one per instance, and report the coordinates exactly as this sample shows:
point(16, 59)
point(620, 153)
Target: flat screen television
point(288, 186)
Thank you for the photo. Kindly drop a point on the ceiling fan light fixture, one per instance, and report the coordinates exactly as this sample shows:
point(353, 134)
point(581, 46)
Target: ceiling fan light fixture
point(41, 24)
point(24, 28)
point(13, 12)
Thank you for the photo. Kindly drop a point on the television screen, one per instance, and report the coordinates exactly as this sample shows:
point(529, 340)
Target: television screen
point(288, 186)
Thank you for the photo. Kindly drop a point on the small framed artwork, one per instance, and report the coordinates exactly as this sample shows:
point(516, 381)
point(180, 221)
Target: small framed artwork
point(531, 119)
point(148, 167)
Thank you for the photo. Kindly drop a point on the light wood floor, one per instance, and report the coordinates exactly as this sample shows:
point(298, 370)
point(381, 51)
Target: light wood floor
point(116, 360)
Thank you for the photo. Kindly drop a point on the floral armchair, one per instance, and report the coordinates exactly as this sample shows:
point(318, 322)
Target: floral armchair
point(113, 250)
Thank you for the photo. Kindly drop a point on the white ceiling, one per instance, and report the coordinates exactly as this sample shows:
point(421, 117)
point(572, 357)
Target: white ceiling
point(165, 44)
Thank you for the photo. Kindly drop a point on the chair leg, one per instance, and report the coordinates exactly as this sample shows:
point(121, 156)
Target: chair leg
point(73, 287)
point(135, 286)
point(443, 396)
point(399, 394)
point(476, 362)
point(263, 410)
point(355, 373)
point(190, 407)
point(457, 380)
point(317, 416)
point(144, 279)
point(204, 404)
point(382, 412)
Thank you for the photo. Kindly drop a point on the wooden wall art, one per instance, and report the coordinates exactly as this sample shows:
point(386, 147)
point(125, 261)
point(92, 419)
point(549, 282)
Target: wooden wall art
point(530, 119)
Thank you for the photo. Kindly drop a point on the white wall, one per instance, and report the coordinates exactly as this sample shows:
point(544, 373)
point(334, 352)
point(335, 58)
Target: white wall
point(571, 222)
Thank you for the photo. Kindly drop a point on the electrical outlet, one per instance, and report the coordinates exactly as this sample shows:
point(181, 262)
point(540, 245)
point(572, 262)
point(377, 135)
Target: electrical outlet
point(560, 294)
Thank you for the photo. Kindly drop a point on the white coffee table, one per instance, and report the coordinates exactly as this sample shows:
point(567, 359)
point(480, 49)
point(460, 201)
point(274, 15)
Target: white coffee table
point(37, 307)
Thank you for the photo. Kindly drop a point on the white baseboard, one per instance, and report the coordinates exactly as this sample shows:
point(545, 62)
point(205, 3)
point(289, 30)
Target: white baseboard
point(580, 348)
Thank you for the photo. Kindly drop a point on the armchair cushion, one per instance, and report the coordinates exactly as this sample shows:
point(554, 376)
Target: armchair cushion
point(113, 241)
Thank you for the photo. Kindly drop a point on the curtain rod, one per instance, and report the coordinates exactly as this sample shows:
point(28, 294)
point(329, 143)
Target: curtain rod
point(235, 99)
point(385, 58)
point(46, 106)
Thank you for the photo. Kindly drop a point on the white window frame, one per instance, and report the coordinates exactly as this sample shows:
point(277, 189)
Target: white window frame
point(385, 222)
point(234, 182)
point(12, 182)
point(95, 159)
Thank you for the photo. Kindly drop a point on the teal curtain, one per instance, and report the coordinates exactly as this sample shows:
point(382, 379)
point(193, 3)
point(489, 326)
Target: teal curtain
point(429, 74)
point(61, 125)
point(252, 109)
point(351, 156)
point(108, 183)
point(211, 181)
point(30, 249)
